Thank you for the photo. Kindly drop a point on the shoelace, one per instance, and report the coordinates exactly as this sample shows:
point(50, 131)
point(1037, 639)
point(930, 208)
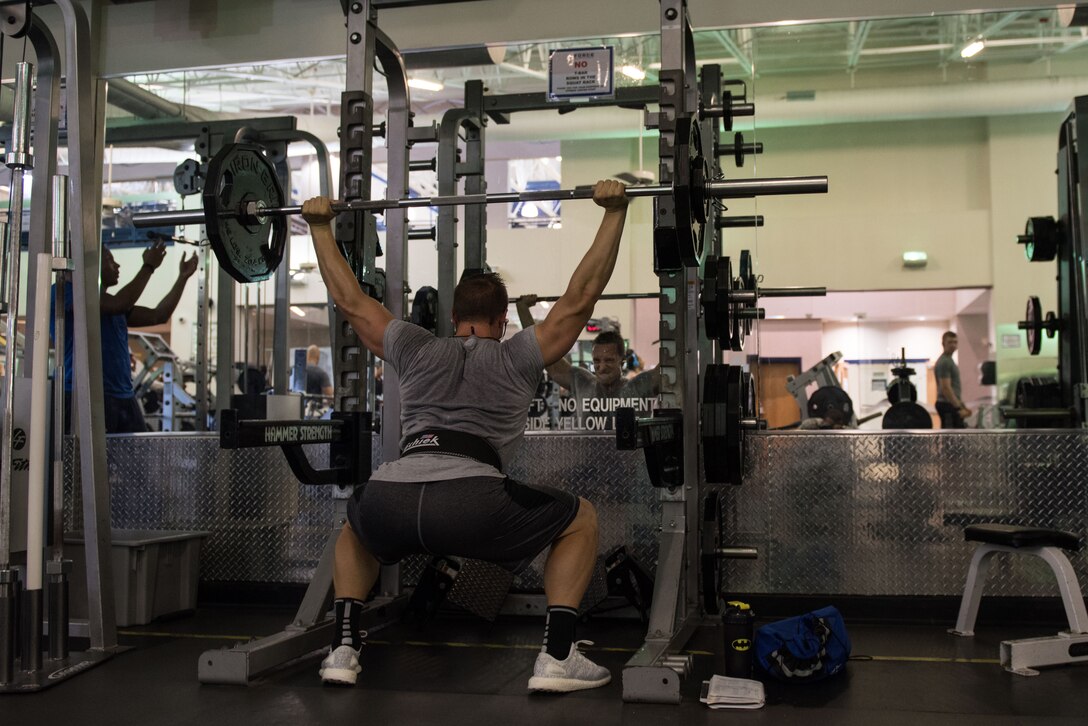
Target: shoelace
point(579, 643)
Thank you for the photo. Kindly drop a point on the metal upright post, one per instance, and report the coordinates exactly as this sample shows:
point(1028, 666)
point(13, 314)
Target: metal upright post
point(46, 119)
point(356, 233)
point(57, 568)
point(475, 178)
point(450, 170)
point(282, 302)
point(86, 120)
point(18, 160)
point(202, 392)
point(398, 120)
point(1072, 278)
point(653, 674)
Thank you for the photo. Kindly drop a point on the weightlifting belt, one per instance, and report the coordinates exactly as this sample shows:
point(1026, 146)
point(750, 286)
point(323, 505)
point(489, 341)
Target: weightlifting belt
point(452, 443)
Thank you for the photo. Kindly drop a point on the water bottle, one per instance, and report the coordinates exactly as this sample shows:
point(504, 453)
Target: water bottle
point(738, 622)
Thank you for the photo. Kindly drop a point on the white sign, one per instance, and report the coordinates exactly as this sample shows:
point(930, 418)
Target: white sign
point(1010, 341)
point(580, 73)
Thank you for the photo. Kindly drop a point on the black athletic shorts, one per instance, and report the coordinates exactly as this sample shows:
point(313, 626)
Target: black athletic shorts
point(481, 518)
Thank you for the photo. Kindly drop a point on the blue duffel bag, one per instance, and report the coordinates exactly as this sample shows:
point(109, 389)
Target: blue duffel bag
point(806, 648)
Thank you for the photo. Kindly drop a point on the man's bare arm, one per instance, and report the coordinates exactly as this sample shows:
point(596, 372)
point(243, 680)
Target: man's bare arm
point(126, 298)
point(568, 317)
point(559, 371)
point(368, 317)
point(142, 317)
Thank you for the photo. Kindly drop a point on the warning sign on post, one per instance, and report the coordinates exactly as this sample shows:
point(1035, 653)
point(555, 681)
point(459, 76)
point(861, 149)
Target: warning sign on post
point(580, 73)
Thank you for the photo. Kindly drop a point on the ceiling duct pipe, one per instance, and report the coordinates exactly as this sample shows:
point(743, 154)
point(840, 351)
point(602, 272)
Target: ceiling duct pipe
point(144, 104)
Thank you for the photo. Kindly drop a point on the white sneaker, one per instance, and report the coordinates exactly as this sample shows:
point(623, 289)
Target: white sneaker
point(341, 666)
point(575, 673)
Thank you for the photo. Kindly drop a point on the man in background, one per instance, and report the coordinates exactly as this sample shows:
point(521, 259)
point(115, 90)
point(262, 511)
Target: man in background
point(119, 312)
point(950, 404)
point(318, 382)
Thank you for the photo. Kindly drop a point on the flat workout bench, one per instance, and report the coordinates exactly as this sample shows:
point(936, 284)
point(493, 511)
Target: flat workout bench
point(1023, 656)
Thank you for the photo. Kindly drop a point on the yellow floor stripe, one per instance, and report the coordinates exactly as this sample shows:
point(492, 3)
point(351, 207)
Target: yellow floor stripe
point(927, 659)
point(198, 636)
point(533, 646)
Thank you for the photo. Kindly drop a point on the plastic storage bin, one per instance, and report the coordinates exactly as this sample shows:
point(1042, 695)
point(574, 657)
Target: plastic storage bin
point(154, 573)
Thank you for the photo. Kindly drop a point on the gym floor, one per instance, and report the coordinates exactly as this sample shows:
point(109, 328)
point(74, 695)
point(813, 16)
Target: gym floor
point(459, 670)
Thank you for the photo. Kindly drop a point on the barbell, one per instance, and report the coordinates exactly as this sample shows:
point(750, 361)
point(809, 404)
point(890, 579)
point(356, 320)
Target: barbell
point(244, 210)
point(606, 296)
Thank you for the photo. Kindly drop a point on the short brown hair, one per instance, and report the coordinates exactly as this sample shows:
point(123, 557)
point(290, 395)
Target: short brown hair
point(480, 297)
point(948, 334)
point(611, 337)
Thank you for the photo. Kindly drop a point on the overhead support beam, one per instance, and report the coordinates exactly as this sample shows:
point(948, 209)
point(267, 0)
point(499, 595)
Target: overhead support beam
point(725, 37)
point(142, 103)
point(1074, 46)
point(998, 26)
point(859, 34)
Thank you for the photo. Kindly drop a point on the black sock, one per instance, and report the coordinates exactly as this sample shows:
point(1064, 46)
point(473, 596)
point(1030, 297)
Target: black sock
point(559, 631)
point(347, 623)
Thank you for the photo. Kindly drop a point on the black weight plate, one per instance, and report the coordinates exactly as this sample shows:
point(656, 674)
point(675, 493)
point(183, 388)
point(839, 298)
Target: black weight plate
point(691, 206)
point(748, 274)
point(1052, 324)
point(739, 391)
point(249, 249)
point(708, 297)
point(728, 398)
point(724, 290)
point(738, 326)
point(1042, 234)
point(907, 415)
point(1033, 316)
point(900, 390)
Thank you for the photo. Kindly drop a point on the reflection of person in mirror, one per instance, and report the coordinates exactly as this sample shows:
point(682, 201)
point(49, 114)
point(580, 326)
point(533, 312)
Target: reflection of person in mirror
point(318, 382)
point(119, 312)
point(604, 389)
point(950, 403)
point(632, 364)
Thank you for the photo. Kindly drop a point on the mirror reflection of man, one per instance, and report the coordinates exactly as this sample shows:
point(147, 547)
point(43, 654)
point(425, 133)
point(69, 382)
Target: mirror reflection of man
point(950, 403)
point(119, 312)
point(606, 381)
point(318, 382)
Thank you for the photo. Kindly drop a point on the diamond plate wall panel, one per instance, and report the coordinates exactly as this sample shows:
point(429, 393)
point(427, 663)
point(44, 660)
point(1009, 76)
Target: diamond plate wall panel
point(266, 527)
point(882, 513)
point(869, 513)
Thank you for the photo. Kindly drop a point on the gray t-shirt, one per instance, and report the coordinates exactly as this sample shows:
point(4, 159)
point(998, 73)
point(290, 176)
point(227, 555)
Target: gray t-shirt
point(474, 385)
point(595, 404)
point(947, 368)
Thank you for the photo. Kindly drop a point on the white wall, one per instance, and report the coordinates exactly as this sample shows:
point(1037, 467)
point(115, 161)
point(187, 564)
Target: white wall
point(893, 187)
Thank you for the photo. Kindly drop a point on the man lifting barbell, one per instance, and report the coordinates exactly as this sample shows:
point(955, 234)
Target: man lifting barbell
point(463, 416)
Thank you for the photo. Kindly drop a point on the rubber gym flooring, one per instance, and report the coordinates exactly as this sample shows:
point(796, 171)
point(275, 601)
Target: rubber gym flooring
point(459, 670)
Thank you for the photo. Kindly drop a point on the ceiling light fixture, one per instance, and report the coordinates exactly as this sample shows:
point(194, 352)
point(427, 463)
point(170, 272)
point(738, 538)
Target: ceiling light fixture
point(633, 72)
point(298, 311)
point(424, 85)
point(973, 48)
